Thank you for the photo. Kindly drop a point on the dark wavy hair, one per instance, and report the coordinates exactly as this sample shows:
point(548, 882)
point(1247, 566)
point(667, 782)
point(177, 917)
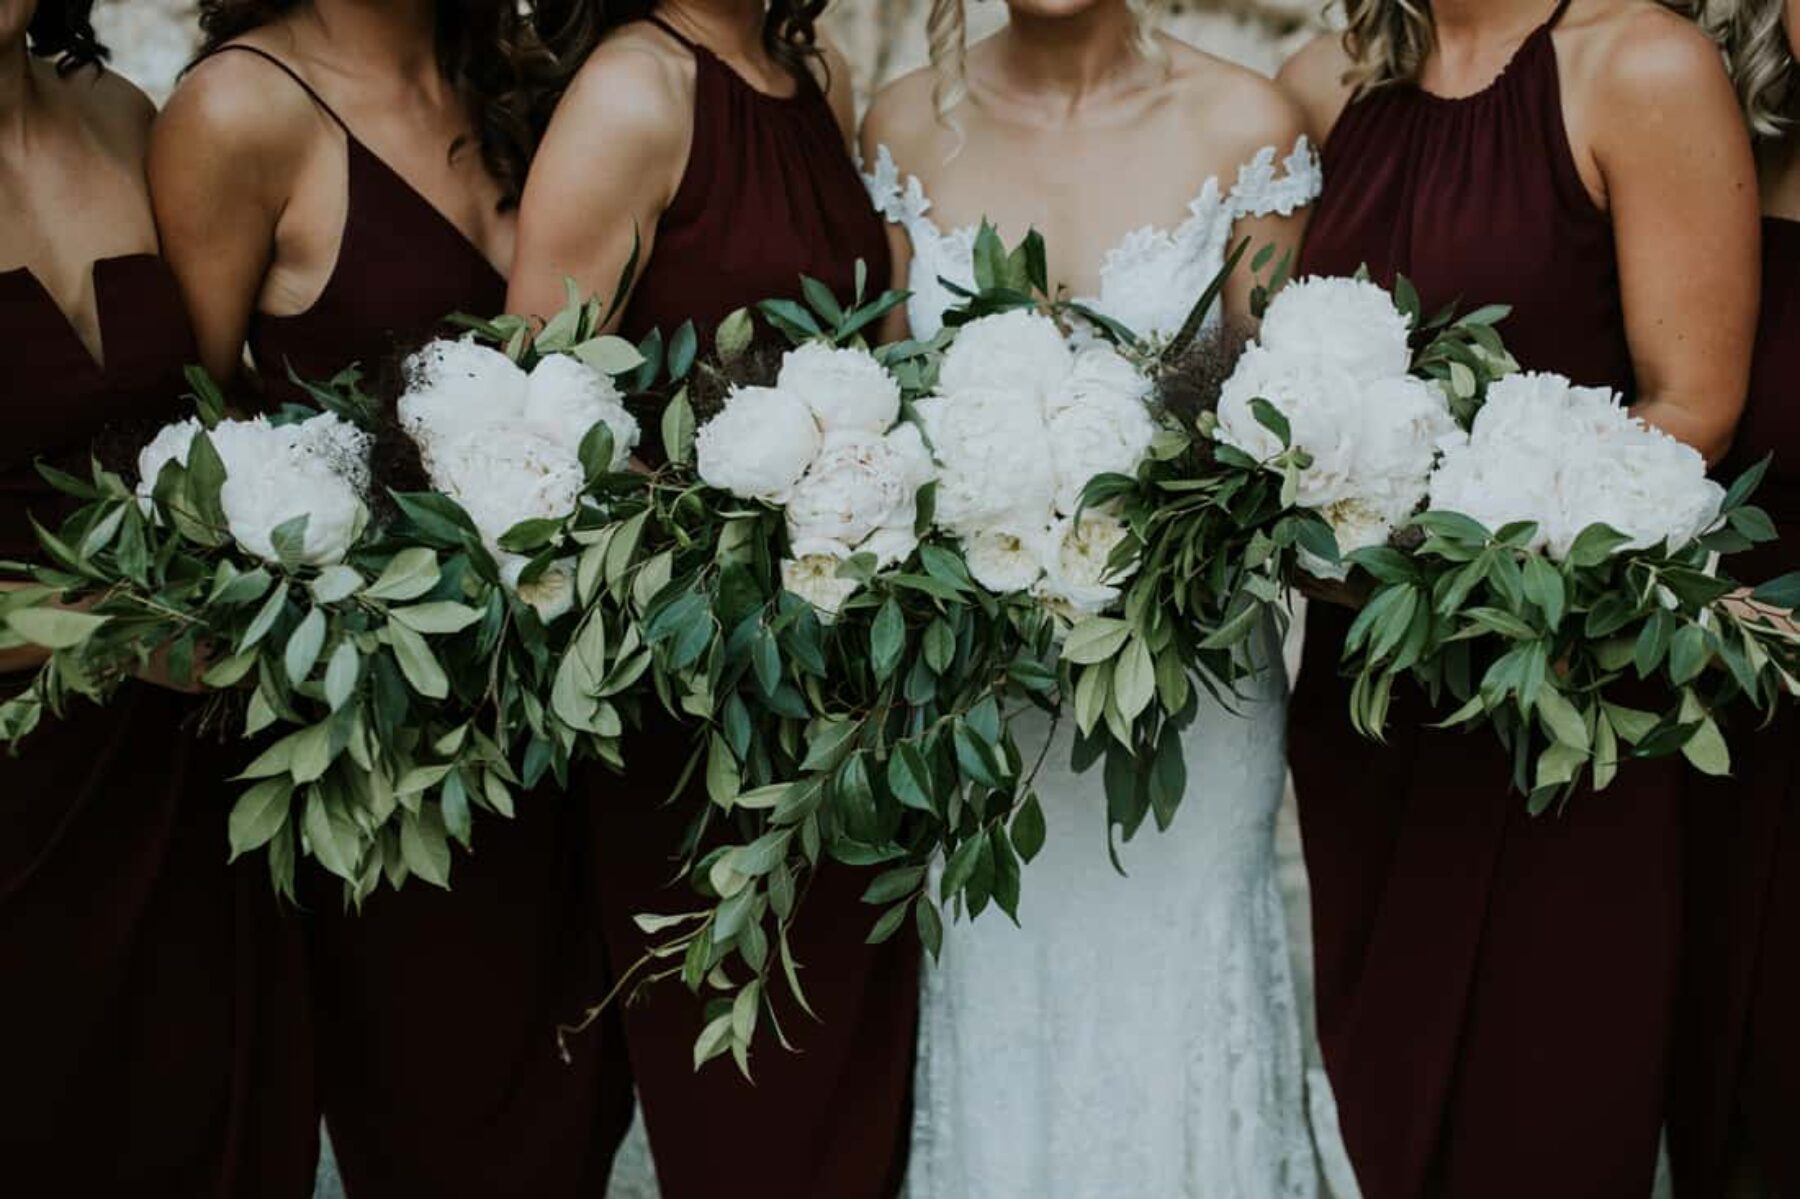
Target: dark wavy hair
point(574, 27)
point(64, 30)
point(490, 52)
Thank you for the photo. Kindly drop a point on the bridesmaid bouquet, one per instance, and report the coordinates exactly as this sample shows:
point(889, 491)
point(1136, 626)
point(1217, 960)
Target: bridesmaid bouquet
point(1567, 578)
point(246, 558)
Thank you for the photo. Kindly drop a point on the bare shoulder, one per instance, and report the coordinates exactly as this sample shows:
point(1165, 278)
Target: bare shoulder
point(236, 108)
point(1316, 79)
point(1229, 106)
point(1638, 50)
point(903, 117)
point(832, 71)
point(636, 84)
point(113, 107)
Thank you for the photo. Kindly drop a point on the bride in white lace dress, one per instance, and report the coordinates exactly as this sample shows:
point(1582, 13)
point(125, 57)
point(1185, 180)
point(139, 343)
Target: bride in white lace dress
point(1137, 1036)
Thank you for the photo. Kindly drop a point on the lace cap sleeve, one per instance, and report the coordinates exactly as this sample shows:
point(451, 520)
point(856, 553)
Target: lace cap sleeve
point(1263, 190)
point(900, 201)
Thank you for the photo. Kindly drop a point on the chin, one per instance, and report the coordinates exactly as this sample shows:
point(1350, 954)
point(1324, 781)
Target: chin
point(1055, 10)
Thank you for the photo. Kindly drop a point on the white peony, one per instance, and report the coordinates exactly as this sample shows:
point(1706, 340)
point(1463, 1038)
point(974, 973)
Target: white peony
point(1007, 560)
point(170, 444)
point(1076, 577)
point(1098, 423)
point(551, 594)
point(504, 476)
point(1570, 457)
point(759, 445)
point(1343, 324)
point(1017, 350)
point(1323, 410)
point(566, 398)
point(995, 463)
point(862, 484)
point(846, 389)
point(813, 576)
point(459, 387)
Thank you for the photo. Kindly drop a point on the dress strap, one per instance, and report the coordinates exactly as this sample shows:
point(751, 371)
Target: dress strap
point(687, 43)
point(1557, 16)
point(295, 76)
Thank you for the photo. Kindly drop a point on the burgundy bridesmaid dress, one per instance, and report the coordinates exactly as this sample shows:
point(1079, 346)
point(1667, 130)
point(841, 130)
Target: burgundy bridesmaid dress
point(153, 1026)
point(1737, 1058)
point(437, 1011)
point(1495, 991)
point(770, 193)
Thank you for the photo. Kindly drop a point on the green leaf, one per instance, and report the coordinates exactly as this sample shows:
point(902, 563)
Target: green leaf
point(1561, 720)
point(411, 573)
point(336, 583)
point(441, 617)
point(909, 777)
point(734, 335)
point(425, 845)
point(1688, 654)
point(683, 348)
point(892, 884)
point(264, 620)
point(722, 783)
point(1095, 640)
point(678, 428)
point(887, 639)
point(417, 662)
point(303, 647)
point(1028, 831)
point(258, 815)
point(1544, 587)
point(930, 925)
point(1134, 679)
point(608, 354)
point(341, 674)
point(54, 628)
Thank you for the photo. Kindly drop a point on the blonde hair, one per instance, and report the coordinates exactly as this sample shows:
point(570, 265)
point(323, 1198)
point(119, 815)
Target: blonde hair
point(1753, 34)
point(1387, 40)
point(947, 37)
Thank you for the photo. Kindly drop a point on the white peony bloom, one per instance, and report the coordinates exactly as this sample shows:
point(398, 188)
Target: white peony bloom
point(1076, 578)
point(1343, 324)
point(273, 474)
point(504, 476)
point(551, 594)
point(1099, 422)
point(1323, 411)
point(846, 389)
point(458, 387)
point(759, 445)
point(813, 576)
point(1018, 350)
point(1570, 457)
point(859, 484)
point(566, 398)
point(170, 444)
point(995, 464)
point(1007, 560)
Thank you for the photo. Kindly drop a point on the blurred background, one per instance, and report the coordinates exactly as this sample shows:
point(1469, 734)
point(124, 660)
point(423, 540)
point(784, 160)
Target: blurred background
point(152, 40)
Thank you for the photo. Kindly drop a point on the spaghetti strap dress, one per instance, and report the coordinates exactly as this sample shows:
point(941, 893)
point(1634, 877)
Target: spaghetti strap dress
point(769, 193)
point(1737, 1058)
point(1495, 991)
point(153, 1035)
point(439, 1067)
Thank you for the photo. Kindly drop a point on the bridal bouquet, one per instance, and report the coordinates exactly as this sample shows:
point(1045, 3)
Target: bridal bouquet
point(246, 557)
point(1566, 579)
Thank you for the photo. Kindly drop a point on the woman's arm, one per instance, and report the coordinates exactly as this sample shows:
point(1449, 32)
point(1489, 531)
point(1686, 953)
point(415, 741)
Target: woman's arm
point(1267, 117)
point(224, 156)
point(608, 167)
point(1680, 181)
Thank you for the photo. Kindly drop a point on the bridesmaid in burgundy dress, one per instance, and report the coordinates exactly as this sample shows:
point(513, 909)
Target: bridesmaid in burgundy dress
point(1496, 992)
point(1735, 1095)
point(151, 990)
point(332, 180)
point(710, 132)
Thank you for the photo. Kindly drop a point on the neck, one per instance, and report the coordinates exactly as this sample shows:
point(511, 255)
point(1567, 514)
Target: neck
point(731, 28)
point(1072, 56)
point(1487, 20)
point(393, 36)
point(18, 94)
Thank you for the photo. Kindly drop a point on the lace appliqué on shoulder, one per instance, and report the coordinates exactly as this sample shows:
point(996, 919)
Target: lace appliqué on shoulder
point(1261, 191)
point(901, 201)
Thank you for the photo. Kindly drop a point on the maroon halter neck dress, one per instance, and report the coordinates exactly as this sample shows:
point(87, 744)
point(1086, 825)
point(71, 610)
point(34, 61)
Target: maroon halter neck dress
point(1494, 991)
point(1737, 1058)
point(153, 1035)
point(770, 193)
point(436, 1010)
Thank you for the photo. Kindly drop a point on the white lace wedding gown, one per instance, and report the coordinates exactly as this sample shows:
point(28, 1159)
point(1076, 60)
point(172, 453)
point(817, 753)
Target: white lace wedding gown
point(1138, 1036)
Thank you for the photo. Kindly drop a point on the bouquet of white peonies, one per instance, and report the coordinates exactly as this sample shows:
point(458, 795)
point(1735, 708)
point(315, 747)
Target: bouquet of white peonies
point(1567, 578)
point(246, 557)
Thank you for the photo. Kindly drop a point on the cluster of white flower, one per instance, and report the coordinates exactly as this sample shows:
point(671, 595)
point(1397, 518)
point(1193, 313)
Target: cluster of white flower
point(317, 468)
point(505, 444)
point(824, 445)
point(1569, 457)
point(1020, 424)
point(1333, 359)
